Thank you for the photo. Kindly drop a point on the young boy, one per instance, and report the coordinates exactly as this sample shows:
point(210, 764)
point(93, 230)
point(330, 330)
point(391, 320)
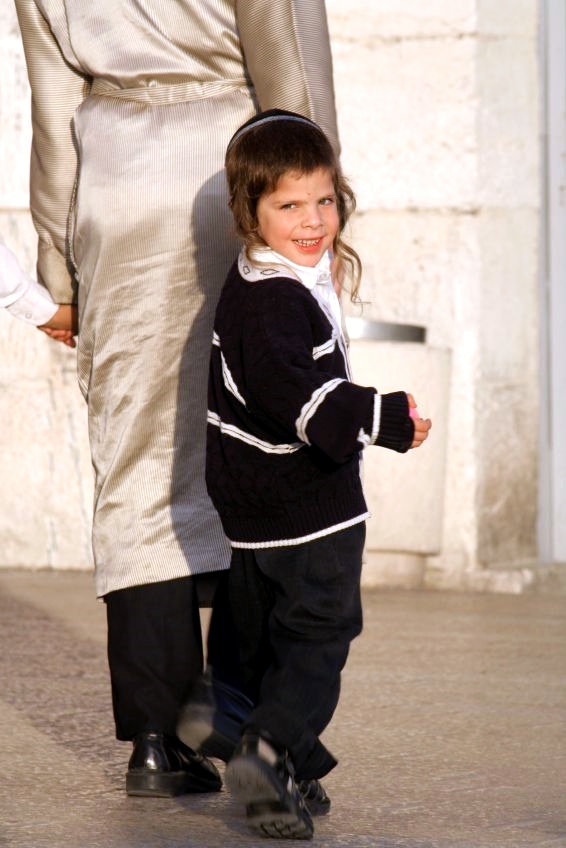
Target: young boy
point(286, 427)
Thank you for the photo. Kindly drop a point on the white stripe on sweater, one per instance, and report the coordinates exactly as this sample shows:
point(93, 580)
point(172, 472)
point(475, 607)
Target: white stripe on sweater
point(376, 418)
point(229, 381)
point(319, 534)
point(311, 406)
point(252, 441)
point(324, 349)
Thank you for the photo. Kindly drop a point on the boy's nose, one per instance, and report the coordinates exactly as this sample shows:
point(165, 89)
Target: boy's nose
point(312, 218)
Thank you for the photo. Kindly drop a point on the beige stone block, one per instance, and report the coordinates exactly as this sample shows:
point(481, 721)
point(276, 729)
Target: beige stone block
point(413, 262)
point(45, 515)
point(18, 233)
point(47, 492)
point(508, 107)
point(445, 574)
point(393, 570)
point(363, 19)
point(405, 492)
point(407, 120)
point(508, 18)
point(507, 474)
point(460, 521)
point(508, 327)
point(14, 114)
point(491, 486)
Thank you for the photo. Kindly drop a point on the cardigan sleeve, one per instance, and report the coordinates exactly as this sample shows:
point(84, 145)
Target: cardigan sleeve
point(57, 89)
point(292, 389)
point(287, 52)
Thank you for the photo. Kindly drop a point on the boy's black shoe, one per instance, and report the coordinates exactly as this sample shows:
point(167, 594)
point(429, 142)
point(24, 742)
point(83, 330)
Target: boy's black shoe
point(262, 778)
point(212, 718)
point(161, 766)
point(315, 797)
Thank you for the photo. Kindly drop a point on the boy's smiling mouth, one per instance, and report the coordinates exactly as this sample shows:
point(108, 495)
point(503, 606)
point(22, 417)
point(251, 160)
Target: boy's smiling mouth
point(308, 242)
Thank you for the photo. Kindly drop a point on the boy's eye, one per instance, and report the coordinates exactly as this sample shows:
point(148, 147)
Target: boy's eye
point(327, 201)
point(288, 206)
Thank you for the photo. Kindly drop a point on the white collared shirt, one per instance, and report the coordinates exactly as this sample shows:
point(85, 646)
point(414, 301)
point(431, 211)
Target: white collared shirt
point(21, 295)
point(317, 280)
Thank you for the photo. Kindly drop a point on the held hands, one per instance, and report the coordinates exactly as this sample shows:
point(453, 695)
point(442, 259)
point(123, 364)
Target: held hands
point(422, 425)
point(63, 326)
point(65, 336)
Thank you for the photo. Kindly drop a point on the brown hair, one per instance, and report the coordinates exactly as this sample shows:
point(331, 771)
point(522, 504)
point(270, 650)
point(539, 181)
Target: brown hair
point(263, 150)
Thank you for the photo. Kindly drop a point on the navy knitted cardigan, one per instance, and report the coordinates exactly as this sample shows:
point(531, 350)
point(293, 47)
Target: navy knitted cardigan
point(285, 423)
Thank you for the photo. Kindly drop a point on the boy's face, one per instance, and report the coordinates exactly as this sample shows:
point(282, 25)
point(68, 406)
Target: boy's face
point(299, 220)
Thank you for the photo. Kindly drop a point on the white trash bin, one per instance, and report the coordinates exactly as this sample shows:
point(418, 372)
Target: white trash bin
point(405, 492)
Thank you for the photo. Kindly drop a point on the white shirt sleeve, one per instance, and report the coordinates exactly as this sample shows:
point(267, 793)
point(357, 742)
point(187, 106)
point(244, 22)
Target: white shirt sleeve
point(21, 295)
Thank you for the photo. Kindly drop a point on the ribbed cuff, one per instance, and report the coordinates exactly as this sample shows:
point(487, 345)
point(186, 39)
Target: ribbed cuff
point(396, 427)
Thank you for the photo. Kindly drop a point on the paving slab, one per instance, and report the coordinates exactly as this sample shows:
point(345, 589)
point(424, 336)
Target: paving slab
point(450, 733)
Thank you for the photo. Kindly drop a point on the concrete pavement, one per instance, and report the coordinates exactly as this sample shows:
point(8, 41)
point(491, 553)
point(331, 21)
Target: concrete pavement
point(451, 730)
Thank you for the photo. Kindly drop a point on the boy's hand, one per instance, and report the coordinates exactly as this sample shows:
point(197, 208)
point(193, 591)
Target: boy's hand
point(422, 425)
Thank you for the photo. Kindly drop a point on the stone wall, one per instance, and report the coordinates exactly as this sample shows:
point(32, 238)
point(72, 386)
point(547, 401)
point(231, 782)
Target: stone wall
point(438, 110)
point(46, 491)
point(438, 106)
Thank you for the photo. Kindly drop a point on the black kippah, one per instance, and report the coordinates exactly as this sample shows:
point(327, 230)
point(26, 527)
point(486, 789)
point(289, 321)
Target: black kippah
point(266, 117)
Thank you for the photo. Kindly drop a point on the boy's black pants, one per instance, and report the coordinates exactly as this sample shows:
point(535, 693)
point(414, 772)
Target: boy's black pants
point(296, 609)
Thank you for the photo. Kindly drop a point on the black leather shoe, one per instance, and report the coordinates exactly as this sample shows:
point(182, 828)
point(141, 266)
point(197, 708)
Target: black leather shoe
point(162, 766)
point(212, 719)
point(315, 797)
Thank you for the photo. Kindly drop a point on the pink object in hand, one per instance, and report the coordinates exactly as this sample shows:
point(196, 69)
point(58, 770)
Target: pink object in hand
point(414, 413)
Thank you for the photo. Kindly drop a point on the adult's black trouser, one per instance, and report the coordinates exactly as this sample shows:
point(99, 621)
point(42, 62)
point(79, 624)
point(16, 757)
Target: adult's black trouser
point(155, 650)
point(296, 609)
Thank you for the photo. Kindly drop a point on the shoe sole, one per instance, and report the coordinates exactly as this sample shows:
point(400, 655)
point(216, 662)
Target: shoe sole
point(251, 781)
point(278, 824)
point(167, 785)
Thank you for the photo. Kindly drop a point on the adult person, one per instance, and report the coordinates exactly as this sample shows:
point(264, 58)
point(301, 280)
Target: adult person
point(133, 104)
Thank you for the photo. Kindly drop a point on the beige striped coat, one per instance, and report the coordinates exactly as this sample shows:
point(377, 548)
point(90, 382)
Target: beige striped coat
point(144, 96)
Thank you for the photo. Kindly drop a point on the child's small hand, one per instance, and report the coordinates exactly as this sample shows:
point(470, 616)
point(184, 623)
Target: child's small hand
point(64, 336)
point(422, 425)
point(63, 325)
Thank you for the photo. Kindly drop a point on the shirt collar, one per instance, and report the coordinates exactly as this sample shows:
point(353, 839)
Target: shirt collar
point(263, 262)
